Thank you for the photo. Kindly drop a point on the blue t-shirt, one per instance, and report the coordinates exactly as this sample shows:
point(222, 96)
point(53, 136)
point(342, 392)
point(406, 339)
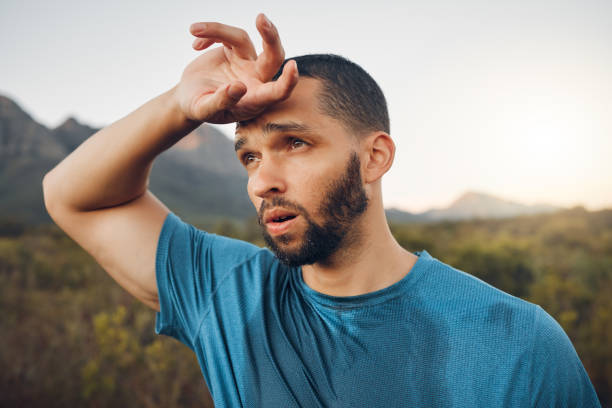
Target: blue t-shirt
point(437, 338)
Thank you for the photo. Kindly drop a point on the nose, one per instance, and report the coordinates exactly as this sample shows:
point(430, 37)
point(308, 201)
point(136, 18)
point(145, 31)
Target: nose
point(268, 179)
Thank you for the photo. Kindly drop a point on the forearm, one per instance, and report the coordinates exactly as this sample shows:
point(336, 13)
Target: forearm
point(112, 166)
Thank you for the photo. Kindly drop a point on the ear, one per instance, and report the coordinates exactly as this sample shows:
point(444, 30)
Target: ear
point(379, 151)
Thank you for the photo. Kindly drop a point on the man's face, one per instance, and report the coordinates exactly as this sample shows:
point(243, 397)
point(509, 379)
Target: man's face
point(304, 177)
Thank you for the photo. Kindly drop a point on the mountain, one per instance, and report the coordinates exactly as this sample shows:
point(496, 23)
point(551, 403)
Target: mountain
point(21, 136)
point(201, 179)
point(27, 150)
point(71, 134)
point(398, 216)
point(480, 205)
point(472, 205)
point(198, 178)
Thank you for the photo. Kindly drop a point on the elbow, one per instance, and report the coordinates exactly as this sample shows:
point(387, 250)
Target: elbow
point(46, 192)
point(49, 198)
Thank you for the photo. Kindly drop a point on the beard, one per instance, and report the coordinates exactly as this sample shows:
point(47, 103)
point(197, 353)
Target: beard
point(343, 202)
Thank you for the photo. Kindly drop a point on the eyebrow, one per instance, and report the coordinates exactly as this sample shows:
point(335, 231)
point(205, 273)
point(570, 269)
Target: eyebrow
point(272, 127)
point(241, 141)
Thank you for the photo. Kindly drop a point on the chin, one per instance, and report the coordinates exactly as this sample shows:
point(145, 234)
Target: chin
point(288, 242)
point(288, 248)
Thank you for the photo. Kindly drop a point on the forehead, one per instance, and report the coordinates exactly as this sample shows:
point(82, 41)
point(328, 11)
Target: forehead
point(300, 109)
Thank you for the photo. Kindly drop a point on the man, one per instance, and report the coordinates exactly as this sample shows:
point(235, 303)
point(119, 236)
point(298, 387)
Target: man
point(339, 314)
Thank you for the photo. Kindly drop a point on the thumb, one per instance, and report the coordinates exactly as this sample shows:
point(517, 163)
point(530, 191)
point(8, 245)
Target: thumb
point(224, 98)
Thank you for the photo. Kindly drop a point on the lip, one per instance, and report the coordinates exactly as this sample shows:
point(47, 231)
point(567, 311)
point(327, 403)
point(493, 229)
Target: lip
point(271, 215)
point(278, 228)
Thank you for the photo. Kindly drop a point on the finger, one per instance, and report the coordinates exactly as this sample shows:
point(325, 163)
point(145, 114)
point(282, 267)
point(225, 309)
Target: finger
point(200, 44)
point(273, 55)
point(276, 91)
point(234, 37)
point(224, 98)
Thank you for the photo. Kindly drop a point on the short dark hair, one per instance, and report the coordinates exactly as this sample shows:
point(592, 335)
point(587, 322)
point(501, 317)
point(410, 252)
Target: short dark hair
point(348, 94)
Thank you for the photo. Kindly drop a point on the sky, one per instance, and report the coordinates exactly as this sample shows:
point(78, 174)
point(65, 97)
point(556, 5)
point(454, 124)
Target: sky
point(511, 98)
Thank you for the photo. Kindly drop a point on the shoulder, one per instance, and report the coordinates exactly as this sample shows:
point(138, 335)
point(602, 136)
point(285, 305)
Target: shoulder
point(558, 377)
point(448, 284)
point(520, 330)
point(481, 318)
point(194, 258)
point(183, 238)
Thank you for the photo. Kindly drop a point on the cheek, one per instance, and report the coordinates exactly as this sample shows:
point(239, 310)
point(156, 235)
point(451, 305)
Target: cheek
point(256, 201)
point(314, 188)
point(312, 192)
point(312, 182)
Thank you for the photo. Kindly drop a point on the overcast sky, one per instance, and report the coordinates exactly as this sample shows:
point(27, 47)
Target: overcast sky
point(512, 98)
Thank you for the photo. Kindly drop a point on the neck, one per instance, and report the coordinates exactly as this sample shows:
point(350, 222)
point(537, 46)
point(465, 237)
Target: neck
point(372, 261)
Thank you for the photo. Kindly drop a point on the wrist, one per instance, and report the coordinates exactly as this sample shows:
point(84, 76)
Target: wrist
point(179, 119)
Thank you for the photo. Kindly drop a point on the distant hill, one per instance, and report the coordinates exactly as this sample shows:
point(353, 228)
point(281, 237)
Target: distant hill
point(71, 134)
point(198, 178)
point(472, 205)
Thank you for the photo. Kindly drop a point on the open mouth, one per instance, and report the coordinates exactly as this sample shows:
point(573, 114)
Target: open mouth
point(283, 218)
point(279, 221)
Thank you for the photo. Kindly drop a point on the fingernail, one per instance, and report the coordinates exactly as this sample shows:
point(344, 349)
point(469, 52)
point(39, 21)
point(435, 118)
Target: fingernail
point(267, 22)
point(198, 27)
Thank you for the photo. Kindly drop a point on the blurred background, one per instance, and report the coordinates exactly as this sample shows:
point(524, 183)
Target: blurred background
point(502, 117)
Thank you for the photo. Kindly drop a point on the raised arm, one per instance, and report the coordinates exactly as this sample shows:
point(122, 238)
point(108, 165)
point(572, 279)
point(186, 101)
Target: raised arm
point(98, 194)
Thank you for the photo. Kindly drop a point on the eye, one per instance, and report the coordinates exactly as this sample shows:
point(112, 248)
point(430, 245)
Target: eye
point(249, 158)
point(296, 143)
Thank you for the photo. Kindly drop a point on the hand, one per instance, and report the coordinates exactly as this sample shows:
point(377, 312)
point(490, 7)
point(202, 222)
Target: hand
point(232, 83)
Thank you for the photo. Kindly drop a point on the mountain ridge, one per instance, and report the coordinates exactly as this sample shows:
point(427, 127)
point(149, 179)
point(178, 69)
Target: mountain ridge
point(186, 180)
point(198, 178)
point(470, 205)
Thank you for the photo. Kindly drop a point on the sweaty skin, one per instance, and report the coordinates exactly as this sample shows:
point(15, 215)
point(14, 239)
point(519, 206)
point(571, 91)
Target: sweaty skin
point(99, 193)
point(432, 350)
point(276, 167)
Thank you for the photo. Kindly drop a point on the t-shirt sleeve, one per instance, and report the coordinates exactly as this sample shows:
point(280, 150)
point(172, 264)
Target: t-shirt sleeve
point(558, 376)
point(189, 265)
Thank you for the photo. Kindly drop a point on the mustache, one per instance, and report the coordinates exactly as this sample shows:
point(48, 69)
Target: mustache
point(279, 202)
